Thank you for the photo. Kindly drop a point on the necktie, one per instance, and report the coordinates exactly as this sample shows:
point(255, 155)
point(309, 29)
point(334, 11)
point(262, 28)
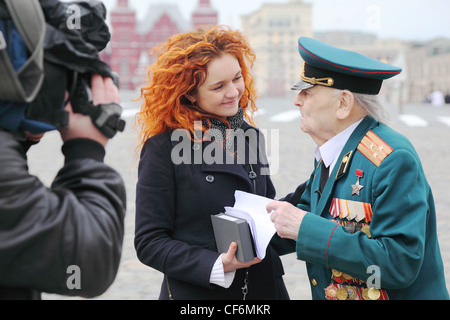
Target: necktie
point(324, 173)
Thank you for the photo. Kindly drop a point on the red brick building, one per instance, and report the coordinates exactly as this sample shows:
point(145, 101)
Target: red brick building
point(129, 52)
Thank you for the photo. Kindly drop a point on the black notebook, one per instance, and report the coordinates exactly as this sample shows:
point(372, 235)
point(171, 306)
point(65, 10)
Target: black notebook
point(228, 229)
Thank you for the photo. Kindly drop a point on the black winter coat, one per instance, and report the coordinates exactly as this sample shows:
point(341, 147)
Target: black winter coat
point(79, 221)
point(174, 203)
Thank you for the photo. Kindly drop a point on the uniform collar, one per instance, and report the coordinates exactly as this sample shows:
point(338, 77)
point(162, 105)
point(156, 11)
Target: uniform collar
point(330, 150)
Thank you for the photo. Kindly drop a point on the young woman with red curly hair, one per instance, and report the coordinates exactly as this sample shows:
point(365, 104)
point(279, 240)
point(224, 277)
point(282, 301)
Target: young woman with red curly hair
point(193, 117)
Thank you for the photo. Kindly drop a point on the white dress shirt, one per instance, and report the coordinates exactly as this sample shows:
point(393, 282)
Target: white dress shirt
point(330, 150)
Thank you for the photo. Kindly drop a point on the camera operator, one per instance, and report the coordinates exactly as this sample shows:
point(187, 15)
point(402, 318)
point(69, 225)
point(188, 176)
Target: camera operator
point(76, 222)
point(64, 239)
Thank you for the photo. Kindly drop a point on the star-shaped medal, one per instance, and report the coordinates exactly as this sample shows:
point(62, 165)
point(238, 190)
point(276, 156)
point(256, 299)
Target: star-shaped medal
point(356, 188)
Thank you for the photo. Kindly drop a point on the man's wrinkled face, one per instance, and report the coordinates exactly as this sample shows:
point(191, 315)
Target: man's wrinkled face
point(318, 107)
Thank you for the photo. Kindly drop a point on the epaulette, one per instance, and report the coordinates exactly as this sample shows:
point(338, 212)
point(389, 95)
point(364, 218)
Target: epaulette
point(374, 148)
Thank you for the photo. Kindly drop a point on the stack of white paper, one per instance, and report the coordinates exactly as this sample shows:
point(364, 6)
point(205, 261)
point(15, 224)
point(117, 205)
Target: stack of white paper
point(253, 209)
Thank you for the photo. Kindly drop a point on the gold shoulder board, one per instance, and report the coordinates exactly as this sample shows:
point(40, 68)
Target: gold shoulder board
point(374, 148)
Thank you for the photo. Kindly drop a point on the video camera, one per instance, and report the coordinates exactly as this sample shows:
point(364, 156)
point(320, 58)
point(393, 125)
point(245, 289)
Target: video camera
point(42, 57)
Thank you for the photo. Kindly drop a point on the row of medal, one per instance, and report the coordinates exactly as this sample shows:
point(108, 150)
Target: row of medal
point(351, 210)
point(345, 287)
point(346, 292)
point(353, 227)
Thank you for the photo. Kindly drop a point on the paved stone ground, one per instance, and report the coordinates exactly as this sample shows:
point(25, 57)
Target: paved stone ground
point(295, 149)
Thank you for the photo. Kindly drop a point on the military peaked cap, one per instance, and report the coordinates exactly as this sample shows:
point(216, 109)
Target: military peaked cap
point(341, 69)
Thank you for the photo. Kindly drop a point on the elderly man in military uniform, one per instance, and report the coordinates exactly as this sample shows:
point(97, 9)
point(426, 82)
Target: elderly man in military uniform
point(366, 222)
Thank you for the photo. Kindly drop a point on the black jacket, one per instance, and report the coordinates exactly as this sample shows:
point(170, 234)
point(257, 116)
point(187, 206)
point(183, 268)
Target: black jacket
point(79, 221)
point(174, 203)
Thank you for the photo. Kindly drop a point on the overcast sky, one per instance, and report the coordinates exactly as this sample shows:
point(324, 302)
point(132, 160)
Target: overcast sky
point(404, 19)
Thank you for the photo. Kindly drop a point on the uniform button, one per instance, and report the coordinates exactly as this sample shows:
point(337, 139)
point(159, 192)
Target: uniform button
point(314, 282)
point(210, 179)
point(196, 147)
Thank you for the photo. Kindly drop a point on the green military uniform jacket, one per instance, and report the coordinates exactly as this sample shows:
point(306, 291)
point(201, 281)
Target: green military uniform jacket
point(394, 244)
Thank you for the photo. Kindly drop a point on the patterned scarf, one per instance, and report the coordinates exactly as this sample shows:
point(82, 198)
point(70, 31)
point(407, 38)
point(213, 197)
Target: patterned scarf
point(221, 131)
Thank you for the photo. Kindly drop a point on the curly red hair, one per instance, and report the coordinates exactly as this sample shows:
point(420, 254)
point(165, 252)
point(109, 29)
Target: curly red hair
point(180, 69)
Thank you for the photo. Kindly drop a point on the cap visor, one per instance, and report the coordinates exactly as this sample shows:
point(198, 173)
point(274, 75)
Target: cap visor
point(302, 85)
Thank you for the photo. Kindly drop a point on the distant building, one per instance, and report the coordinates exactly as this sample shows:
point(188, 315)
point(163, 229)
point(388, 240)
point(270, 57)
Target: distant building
point(273, 31)
point(429, 69)
point(204, 14)
point(129, 52)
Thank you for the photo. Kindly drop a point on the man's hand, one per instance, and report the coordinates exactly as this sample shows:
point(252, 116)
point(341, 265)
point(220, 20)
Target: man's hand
point(286, 218)
point(80, 126)
point(230, 262)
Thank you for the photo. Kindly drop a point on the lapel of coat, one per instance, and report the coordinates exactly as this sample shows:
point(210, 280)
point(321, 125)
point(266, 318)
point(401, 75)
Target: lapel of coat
point(343, 163)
